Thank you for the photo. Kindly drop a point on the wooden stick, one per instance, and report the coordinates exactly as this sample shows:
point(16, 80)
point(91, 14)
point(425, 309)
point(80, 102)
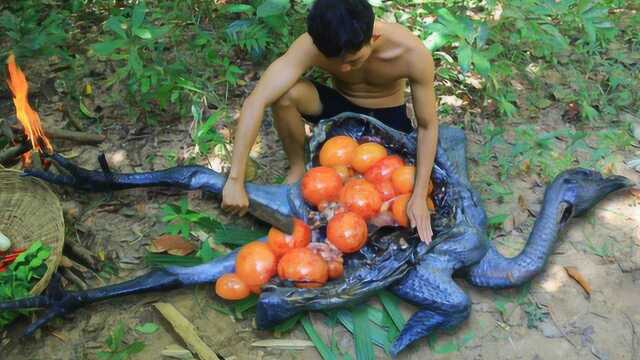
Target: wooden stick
point(187, 331)
point(14, 151)
point(82, 253)
point(76, 136)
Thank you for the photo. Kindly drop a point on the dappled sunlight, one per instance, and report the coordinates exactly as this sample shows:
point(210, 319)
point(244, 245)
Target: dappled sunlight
point(555, 277)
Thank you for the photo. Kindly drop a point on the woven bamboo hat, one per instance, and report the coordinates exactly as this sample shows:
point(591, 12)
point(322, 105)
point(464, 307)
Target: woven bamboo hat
point(30, 211)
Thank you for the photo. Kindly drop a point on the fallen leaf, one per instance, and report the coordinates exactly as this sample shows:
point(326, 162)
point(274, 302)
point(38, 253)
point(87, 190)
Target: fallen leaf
point(172, 244)
point(283, 344)
point(573, 272)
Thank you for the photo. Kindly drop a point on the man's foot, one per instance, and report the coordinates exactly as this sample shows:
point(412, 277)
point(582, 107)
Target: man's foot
point(295, 174)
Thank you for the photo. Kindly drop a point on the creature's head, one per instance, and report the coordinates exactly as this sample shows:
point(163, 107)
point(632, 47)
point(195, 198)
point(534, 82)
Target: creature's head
point(343, 31)
point(581, 188)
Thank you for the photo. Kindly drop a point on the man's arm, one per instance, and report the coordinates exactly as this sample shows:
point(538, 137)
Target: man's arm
point(279, 77)
point(421, 78)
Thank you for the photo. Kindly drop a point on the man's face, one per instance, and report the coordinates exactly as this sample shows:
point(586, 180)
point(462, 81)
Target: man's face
point(354, 60)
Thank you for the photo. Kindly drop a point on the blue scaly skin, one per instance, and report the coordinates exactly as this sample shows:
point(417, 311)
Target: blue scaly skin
point(393, 258)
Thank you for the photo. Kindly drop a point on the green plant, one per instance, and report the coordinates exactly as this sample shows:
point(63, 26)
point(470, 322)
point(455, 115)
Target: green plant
point(205, 135)
point(33, 29)
point(182, 220)
point(18, 279)
point(117, 348)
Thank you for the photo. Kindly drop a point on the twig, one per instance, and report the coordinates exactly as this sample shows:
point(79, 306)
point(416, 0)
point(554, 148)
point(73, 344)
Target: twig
point(82, 253)
point(69, 275)
point(14, 151)
point(73, 120)
point(77, 136)
point(553, 318)
point(187, 331)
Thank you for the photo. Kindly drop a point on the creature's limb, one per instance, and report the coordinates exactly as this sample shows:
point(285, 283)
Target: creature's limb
point(572, 192)
point(59, 302)
point(443, 304)
point(275, 204)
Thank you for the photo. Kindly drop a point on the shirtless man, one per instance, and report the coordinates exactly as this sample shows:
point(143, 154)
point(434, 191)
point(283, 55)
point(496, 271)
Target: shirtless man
point(370, 62)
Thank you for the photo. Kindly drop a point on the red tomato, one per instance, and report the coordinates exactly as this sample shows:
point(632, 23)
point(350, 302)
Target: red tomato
point(403, 178)
point(255, 264)
point(347, 232)
point(361, 197)
point(383, 169)
point(280, 242)
point(304, 267)
point(338, 150)
point(336, 268)
point(231, 287)
point(345, 172)
point(321, 184)
point(366, 155)
point(386, 190)
point(399, 209)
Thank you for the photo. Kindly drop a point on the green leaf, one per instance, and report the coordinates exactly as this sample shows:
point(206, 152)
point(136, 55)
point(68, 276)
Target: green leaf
point(134, 348)
point(107, 48)
point(135, 63)
point(238, 8)
point(272, 7)
point(390, 303)
point(464, 56)
point(237, 236)
point(322, 348)
point(239, 307)
point(143, 33)
point(497, 219)
point(287, 325)
point(137, 17)
point(114, 24)
point(147, 328)
point(85, 111)
point(481, 63)
point(361, 333)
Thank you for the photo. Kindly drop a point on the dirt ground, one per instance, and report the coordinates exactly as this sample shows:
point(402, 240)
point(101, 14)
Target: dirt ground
point(604, 246)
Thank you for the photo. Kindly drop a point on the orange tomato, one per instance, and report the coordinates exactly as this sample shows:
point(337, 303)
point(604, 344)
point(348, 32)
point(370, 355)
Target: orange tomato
point(304, 267)
point(366, 155)
point(257, 289)
point(347, 232)
point(338, 150)
point(255, 263)
point(430, 205)
point(386, 190)
point(321, 184)
point(383, 169)
point(344, 171)
point(280, 243)
point(399, 209)
point(336, 268)
point(403, 178)
point(361, 197)
point(231, 287)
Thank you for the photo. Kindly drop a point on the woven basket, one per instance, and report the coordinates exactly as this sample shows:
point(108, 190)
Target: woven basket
point(30, 211)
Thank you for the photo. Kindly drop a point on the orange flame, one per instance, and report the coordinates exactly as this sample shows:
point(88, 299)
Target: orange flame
point(29, 119)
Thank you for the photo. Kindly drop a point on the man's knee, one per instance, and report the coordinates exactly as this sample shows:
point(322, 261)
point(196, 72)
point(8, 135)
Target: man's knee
point(293, 96)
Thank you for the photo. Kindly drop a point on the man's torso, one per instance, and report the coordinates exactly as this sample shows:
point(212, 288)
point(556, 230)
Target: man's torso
point(380, 82)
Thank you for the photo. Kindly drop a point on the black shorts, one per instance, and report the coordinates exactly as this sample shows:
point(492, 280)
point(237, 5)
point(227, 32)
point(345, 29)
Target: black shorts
point(333, 103)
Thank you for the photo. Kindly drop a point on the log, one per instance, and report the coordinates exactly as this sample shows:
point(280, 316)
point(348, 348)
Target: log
point(14, 151)
point(76, 136)
point(187, 331)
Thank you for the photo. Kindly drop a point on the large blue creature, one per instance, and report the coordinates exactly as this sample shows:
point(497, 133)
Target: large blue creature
point(393, 258)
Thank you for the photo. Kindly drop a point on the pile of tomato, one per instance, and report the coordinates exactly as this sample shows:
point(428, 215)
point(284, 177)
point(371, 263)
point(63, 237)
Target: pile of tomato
point(359, 183)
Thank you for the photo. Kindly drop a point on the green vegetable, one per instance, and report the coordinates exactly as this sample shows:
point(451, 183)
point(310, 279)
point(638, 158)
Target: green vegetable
point(20, 277)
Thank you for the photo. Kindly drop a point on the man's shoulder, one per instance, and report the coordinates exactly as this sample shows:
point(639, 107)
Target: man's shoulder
point(303, 47)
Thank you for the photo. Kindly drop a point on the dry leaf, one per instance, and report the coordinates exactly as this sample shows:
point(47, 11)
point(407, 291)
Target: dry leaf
point(283, 344)
point(172, 244)
point(577, 276)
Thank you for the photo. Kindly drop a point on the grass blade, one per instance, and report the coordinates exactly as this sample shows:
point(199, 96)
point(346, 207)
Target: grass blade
point(287, 325)
point(237, 236)
point(322, 348)
point(362, 334)
point(390, 303)
point(378, 335)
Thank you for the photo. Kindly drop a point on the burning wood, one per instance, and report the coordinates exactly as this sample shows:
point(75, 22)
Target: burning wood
point(28, 117)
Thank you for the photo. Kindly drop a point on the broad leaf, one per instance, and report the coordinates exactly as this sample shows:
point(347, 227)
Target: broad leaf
point(272, 7)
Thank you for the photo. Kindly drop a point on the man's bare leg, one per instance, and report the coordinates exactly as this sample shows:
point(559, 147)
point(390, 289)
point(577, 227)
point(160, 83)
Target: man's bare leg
point(301, 98)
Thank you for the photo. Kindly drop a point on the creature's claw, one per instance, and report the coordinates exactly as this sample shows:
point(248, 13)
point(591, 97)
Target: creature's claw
point(56, 299)
point(78, 178)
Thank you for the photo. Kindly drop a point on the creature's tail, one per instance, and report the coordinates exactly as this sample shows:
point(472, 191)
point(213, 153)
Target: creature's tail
point(571, 194)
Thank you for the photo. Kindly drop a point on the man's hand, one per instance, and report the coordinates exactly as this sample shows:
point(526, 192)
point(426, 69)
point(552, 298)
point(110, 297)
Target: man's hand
point(419, 216)
point(234, 198)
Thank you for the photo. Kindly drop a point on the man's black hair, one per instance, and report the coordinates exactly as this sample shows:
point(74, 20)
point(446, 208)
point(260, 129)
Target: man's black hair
point(340, 26)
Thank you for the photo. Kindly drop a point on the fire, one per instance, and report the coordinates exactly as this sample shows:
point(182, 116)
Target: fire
point(29, 119)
